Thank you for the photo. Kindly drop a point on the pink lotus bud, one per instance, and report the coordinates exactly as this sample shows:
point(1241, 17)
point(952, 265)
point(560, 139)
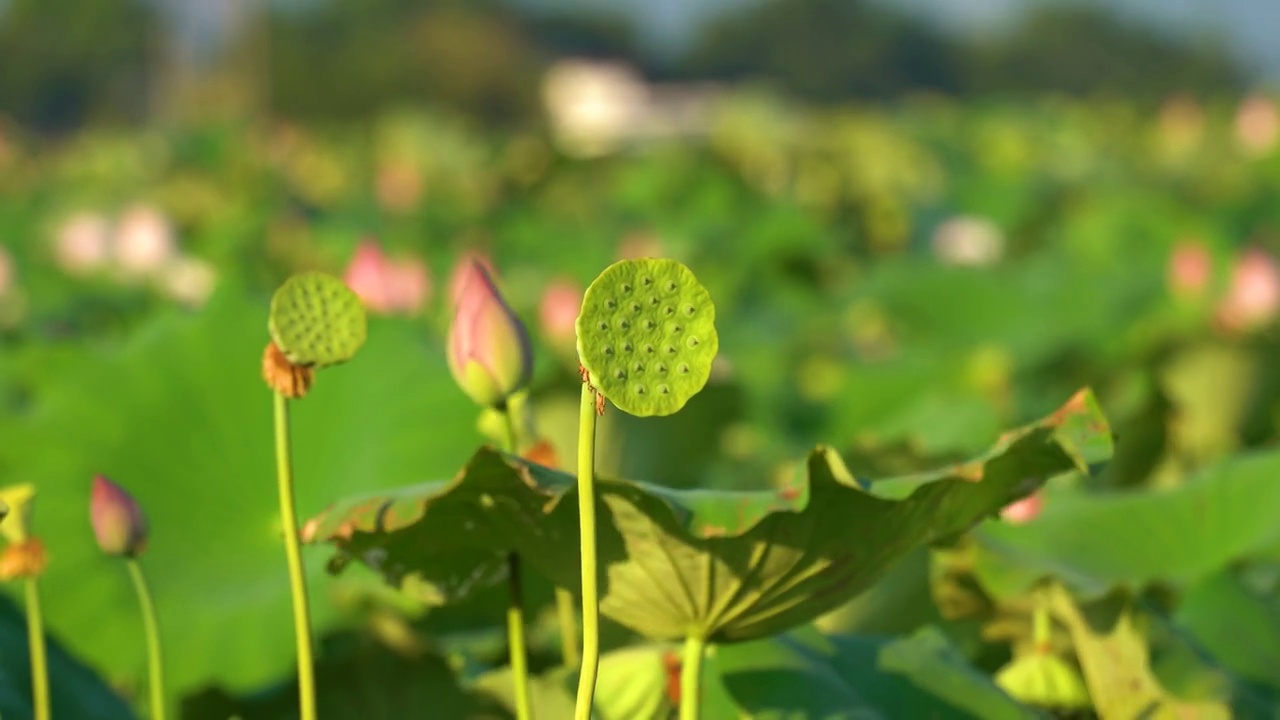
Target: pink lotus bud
point(1190, 266)
point(82, 243)
point(1253, 298)
point(143, 242)
point(387, 286)
point(463, 270)
point(1024, 510)
point(118, 522)
point(558, 311)
point(488, 347)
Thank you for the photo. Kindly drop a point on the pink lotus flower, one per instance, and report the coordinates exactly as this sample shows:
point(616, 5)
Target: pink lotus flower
point(82, 243)
point(119, 524)
point(1257, 125)
point(388, 286)
point(1253, 298)
point(1190, 268)
point(489, 352)
point(143, 242)
point(1024, 510)
point(558, 311)
point(189, 280)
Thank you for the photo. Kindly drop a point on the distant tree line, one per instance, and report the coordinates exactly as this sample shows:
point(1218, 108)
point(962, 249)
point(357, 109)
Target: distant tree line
point(72, 61)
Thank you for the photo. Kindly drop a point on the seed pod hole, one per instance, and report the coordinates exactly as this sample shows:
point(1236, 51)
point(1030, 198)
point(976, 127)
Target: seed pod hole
point(693, 341)
point(683, 368)
point(671, 350)
point(663, 390)
point(624, 324)
point(690, 311)
point(649, 324)
point(646, 281)
point(668, 311)
point(611, 304)
point(649, 349)
point(627, 347)
point(639, 389)
point(637, 368)
point(626, 288)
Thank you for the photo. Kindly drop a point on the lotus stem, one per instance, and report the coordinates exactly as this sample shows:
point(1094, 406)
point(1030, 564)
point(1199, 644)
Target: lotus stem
point(39, 660)
point(155, 664)
point(691, 678)
point(567, 615)
point(587, 516)
point(518, 655)
point(297, 578)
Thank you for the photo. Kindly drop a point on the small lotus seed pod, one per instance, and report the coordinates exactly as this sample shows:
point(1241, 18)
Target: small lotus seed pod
point(1044, 680)
point(119, 524)
point(316, 320)
point(489, 352)
point(20, 500)
point(647, 335)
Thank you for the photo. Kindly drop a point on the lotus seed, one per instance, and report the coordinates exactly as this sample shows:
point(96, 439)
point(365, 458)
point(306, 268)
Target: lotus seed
point(683, 368)
point(690, 310)
point(661, 368)
point(672, 286)
point(649, 324)
point(693, 341)
point(638, 368)
point(611, 304)
point(676, 329)
point(620, 374)
point(624, 324)
point(626, 287)
point(671, 350)
point(607, 350)
point(664, 390)
point(646, 281)
point(648, 349)
point(639, 389)
point(668, 311)
point(626, 347)
point(604, 326)
point(654, 300)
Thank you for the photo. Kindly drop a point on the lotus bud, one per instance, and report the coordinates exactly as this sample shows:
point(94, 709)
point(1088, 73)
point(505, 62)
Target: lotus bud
point(488, 347)
point(118, 522)
point(463, 270)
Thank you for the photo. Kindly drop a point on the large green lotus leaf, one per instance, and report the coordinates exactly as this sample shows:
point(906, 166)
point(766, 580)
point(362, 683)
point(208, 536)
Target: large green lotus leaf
point(358, 678)
point(1096, 541)
point(181, 417)
point(808, 675)
point(632, 685)
point(725, 565)
point(77, 693)
point(1239, 626)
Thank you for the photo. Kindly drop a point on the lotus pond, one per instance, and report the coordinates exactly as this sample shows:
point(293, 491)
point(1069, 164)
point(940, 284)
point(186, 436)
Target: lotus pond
point(926, 412)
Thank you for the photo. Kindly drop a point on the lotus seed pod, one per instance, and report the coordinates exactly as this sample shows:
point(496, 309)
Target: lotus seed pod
point(647, 335)
point(316, 320)
point(119, 525)
point(20, 500)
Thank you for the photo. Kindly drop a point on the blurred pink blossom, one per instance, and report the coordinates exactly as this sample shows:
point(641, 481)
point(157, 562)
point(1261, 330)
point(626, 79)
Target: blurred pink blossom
point(1257, 124)
point(1024, 510)
point(969, 241)
point(1253, 297)
point(189, 280)
point(558, 311)
point(388, 286)
point(8, 274)
point(1190, 268)
point(82, 243)
point(143, 242)
point(641, 245)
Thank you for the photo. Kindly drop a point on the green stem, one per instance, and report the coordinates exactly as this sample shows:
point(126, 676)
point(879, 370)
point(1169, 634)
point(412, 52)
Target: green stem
point(567, 614)
point(297, 579)
point(691, 678)
point(587, 516)
point(515, 639)
point(39, 662)
point(152, 629)
point(515, 606)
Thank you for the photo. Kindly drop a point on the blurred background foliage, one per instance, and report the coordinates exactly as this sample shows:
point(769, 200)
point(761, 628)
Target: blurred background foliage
point(915, 240)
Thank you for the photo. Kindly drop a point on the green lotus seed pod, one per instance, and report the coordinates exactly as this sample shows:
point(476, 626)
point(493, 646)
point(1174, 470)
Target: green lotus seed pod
point(647, 335)
point(316, 320)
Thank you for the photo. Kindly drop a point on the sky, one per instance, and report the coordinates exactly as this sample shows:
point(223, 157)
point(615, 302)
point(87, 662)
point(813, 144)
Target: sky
point(1248, 27)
